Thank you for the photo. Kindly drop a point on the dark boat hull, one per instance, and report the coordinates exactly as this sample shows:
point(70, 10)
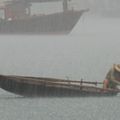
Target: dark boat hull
point(57, 23)
point(36, 87)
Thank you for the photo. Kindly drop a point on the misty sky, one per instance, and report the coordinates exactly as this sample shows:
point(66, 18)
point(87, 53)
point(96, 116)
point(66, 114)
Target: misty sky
point(88, 52)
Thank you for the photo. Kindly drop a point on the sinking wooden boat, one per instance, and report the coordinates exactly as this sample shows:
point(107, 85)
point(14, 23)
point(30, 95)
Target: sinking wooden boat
point(40, 86)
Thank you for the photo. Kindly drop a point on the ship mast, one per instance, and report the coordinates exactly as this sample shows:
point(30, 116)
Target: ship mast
point(65, 5)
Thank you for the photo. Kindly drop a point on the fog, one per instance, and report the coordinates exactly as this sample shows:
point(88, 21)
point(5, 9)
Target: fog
point(106, 8)
point(109, 8)
point(87, 52)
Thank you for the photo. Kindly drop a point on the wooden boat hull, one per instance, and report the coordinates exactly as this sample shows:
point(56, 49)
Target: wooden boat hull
point(35, 87)
point(57, 23)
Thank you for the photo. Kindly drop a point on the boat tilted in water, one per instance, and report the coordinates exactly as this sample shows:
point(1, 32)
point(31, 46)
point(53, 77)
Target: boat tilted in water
point(40, 86)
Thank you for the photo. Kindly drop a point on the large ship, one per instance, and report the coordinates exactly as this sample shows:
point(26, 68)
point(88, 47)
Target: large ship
point(17, 18)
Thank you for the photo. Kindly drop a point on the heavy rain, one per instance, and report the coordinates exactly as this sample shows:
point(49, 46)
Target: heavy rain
point(37, 43)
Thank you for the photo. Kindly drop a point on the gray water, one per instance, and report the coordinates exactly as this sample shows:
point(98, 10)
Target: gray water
point(88, 53)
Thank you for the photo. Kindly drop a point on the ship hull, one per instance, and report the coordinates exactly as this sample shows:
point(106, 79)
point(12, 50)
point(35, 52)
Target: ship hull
point(57, 23)
point(36, 87)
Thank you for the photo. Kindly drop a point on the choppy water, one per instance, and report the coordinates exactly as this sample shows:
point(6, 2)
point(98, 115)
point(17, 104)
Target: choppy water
point(16, 108)
point(88, 52)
